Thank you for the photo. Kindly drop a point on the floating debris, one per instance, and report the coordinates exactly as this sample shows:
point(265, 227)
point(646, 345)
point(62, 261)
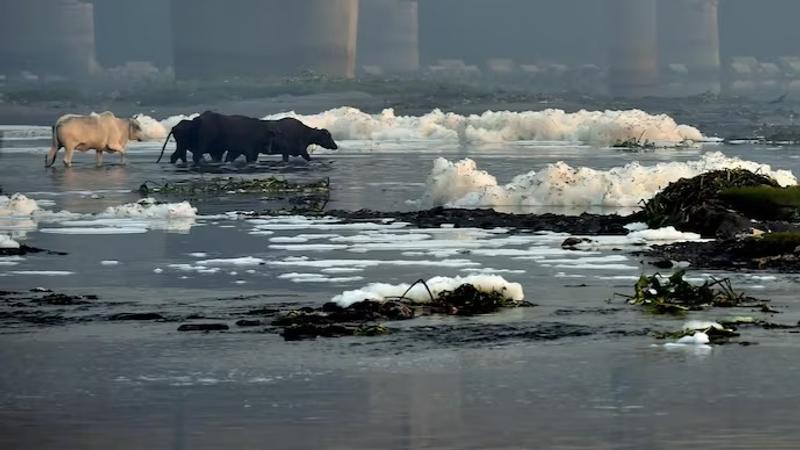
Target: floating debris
point(119, 317)
point(360, 318)
point(675, 295)
point(24, 250)
point(203, 327)
point(701, 332)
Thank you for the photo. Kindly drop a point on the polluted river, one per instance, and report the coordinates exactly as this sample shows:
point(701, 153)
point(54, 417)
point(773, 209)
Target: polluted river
point(92, 355)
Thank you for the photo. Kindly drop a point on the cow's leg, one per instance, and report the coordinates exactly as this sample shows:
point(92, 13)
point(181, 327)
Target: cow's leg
point(98, 158)
point(68, 151)
point(123, 158)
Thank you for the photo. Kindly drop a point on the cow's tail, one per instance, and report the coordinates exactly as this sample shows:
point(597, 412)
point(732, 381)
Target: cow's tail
point(164, 147)
point(50, 158)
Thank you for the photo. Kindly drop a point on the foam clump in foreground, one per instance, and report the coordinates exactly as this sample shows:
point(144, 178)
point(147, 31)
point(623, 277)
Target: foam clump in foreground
point(7, 242)
point(462, 184)
point(17, 205)
point(587, 127)
point(380, 292)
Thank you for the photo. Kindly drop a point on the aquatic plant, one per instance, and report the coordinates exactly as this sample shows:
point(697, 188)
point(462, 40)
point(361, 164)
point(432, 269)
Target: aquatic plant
point(676, 295)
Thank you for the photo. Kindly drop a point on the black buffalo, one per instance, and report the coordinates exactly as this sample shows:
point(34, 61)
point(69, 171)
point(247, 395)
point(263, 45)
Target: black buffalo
point(214, 134)
point(185, 134)
point(292, 138)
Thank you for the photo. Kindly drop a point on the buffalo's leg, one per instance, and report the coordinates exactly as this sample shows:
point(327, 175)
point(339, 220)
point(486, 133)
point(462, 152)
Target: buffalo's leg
point(285, 157)
point(305, 155)
point(251, 155)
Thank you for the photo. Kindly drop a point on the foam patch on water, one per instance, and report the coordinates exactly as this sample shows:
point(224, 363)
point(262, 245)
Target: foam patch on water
point(304, 261)
point(22, 213)
point(462, 184)
point(17, 205)
point(10, 260)
point(138, 217)
point(7, 242)
point(693, 325)
point(589, 127)
point(296, 277)
point(552, 125)
point(44, 273)
point(666, 234)
point(697, 339)
point(243, 261)
point(94, 230)
point(148, 208)
point(437, 285)
point(157, 130)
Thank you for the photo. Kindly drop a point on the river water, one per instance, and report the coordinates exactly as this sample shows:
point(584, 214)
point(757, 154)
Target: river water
point(578, 371)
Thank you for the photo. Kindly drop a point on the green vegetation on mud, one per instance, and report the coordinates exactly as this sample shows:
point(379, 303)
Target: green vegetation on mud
point(199, 187)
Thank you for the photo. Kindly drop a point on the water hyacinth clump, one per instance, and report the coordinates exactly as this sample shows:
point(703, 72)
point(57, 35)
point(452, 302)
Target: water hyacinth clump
point(676, 295)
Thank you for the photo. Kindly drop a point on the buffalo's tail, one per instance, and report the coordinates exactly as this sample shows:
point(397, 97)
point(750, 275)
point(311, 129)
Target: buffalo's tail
point(164, 147)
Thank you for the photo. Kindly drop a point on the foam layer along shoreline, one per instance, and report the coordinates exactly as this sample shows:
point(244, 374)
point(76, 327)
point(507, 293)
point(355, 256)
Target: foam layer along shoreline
point(462, 184)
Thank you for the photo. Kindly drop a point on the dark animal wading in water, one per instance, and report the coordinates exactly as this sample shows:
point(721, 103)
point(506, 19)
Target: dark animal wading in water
point(185, 134)
point(292, 139)
point(214, 134)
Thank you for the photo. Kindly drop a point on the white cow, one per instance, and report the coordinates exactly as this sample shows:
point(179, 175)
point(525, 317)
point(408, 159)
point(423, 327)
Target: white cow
point(100, 132)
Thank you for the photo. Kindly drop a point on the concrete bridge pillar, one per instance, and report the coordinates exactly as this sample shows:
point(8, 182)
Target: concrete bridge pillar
point(256, 38)
point(633, 55)
point(388, 35)
point(690, 38)
point(47, 38)
point(129, 31)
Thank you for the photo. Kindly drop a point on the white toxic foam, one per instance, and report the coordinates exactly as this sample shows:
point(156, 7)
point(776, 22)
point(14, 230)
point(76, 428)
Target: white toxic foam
point(148, 208)
point(155, 130)
point(462, 184)
point(589, 127)
point(7, 242)
point(243, 261)
point(295, 277)
point(551, 125)
point(694, 325)
point(419, 294)
point(95, 230)
point(46, 273)
point(698, 338)
point(17, 205)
